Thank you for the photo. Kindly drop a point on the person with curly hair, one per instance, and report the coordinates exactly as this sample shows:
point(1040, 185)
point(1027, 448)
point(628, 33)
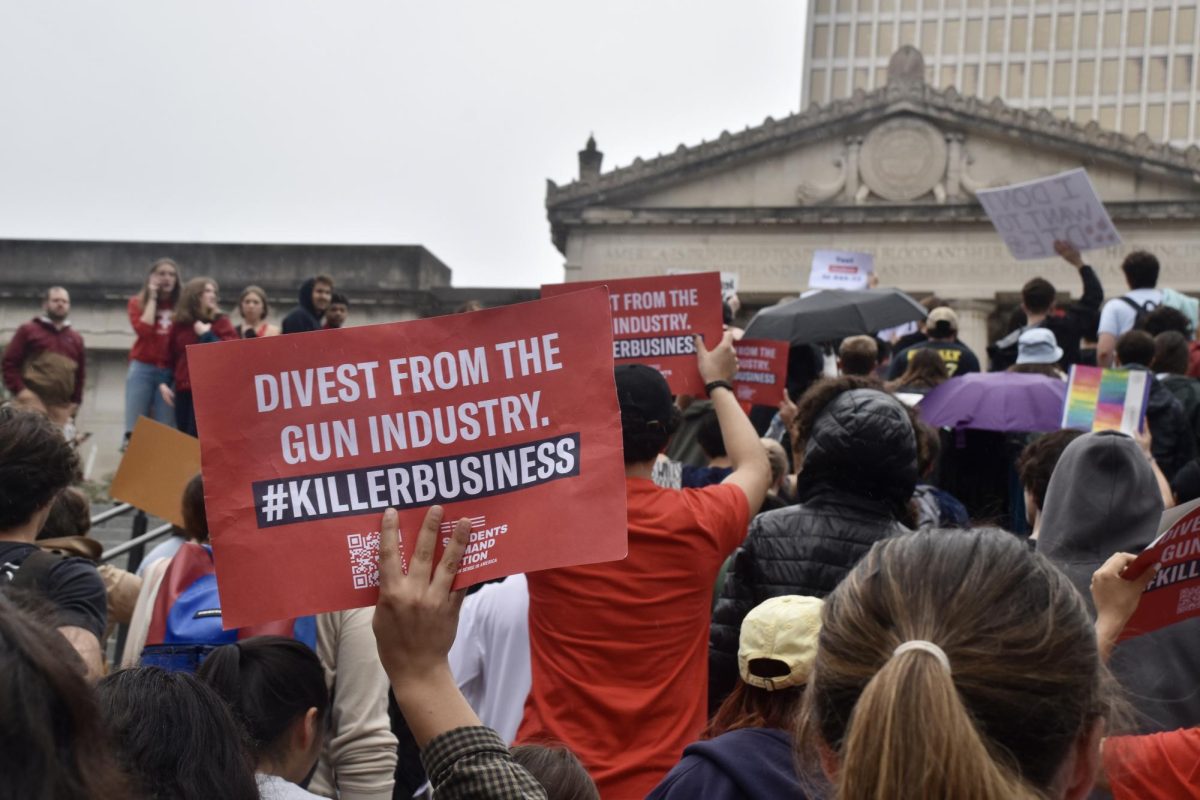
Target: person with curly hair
point(35, 465)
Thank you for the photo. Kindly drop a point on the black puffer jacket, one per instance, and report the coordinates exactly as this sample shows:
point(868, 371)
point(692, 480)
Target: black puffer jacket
point(859, 473)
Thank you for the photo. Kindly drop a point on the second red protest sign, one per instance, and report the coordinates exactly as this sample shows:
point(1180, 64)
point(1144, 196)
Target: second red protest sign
point(653, 320)
point(506, 416)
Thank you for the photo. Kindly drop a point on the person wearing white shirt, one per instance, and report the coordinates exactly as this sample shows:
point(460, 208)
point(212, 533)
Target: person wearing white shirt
point(1120, 313)
point(490, 656)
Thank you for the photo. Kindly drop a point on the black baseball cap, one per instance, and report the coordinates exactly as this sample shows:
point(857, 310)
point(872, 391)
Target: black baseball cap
point(643, 392)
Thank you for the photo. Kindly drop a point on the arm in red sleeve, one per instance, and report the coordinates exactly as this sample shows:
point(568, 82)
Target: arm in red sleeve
point(221, 330)
point(1158, 765)
point(224, 329)
point(140, 328)
point(14, 356)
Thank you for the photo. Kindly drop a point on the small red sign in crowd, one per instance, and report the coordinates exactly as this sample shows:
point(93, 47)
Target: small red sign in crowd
point(762, 371)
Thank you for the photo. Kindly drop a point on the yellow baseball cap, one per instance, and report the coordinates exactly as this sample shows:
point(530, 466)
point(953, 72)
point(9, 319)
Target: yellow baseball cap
point(782, 630)
point(942, 314)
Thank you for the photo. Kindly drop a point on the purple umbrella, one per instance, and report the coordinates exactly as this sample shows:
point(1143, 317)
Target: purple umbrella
point(997, 401)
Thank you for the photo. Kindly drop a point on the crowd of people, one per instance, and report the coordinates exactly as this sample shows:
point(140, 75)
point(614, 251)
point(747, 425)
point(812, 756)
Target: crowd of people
point(44, 362)
point(828, 599)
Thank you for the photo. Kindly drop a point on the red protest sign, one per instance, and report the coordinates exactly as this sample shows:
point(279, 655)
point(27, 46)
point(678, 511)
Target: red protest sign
point(507, 416)
point(762, 371)
point(653, 320)
point(1174, 594)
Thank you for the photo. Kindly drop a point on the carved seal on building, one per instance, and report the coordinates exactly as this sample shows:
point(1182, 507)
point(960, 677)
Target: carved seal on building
point(903, 159)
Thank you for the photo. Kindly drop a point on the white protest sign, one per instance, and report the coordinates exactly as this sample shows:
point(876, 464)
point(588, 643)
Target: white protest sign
point(1030, 216)
point(834, 269)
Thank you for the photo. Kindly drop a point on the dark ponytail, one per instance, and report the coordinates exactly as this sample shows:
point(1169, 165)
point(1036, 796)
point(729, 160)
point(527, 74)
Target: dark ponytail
point(269, 682)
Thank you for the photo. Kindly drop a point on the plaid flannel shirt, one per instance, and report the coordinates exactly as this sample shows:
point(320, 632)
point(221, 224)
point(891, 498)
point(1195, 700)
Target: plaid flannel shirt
point(475, 764)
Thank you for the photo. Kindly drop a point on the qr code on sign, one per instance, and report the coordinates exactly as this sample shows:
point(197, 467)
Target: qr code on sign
point(1189, 600)
point(364, 559)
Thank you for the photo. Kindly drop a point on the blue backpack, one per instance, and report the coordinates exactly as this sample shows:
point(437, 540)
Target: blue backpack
point(185, 624)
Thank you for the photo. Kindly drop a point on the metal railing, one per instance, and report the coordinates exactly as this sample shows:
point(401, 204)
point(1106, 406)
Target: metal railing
point(139, 537)
point(115, 511)
point(135, 543)
point(135, 549)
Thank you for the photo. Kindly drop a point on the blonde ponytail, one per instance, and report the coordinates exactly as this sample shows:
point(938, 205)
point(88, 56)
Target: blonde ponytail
point(1024, 681)
point(911, 736)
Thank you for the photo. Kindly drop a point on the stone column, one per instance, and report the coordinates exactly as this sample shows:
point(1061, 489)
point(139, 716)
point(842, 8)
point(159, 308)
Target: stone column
point(972, 325)
point(573, 260)
point(954, 166)
point(853, 145)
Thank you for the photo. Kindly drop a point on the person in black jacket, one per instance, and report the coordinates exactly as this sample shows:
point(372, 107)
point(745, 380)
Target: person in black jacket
point(858, 467)
point(1068, 325)
point(1170, 366)
point(1171, 435)
point(315, 297)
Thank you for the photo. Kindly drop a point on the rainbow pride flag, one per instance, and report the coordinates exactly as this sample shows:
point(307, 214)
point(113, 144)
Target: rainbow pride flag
point(1106, 399)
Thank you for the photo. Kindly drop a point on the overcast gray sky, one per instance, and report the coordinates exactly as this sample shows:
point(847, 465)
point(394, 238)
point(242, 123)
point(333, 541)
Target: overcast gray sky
point(430, 123)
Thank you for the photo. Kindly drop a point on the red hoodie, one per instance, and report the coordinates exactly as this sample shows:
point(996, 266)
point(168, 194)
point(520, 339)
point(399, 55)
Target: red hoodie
point(151, 339)
point(37, 336)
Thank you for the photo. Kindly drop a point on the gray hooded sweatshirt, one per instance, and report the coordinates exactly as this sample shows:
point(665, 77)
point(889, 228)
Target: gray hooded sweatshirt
point(1103, 499)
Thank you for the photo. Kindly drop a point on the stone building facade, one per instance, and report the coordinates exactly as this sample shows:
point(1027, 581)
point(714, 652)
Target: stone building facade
point(891, 172)
point(384, 283)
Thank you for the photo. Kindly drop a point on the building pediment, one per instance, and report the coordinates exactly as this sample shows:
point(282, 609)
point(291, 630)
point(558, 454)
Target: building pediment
point(906, 152)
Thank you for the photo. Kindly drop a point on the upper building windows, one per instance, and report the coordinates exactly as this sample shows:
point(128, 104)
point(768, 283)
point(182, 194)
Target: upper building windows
point(1123, 62)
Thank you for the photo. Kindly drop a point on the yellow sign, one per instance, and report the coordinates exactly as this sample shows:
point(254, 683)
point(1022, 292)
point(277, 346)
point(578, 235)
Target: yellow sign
point(157, 466)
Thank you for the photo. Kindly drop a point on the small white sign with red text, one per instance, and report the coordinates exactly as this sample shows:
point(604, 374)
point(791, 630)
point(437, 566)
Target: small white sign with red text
point(834, 269)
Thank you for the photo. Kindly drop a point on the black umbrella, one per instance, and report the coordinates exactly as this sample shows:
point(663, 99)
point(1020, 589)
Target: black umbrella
point(834, 314)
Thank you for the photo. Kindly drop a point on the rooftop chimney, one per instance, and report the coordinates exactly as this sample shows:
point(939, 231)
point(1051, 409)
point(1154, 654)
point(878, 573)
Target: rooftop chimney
point(906, 67)
point(589, 161)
